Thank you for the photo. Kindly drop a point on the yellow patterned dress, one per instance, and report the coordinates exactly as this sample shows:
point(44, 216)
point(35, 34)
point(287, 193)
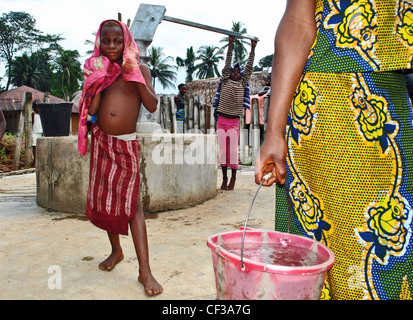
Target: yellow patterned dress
point(350, 139)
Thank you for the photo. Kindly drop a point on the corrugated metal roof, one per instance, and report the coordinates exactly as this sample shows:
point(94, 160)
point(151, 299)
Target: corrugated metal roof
point(12, 100)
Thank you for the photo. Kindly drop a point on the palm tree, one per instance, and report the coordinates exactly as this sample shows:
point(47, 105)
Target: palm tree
point(160, 69)
point(90, 43)
point(68, 72)
point(188, 64)
point(210, 57)
point(240, 53)
point(34, 71)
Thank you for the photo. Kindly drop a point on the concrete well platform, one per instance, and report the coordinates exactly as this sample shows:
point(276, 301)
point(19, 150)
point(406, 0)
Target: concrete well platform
point(177, 171)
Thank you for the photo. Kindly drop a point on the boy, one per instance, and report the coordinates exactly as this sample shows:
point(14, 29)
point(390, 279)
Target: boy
point(115, 86)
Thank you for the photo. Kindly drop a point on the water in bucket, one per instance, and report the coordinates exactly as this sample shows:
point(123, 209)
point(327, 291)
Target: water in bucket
point(275, 266)
point(276, 254)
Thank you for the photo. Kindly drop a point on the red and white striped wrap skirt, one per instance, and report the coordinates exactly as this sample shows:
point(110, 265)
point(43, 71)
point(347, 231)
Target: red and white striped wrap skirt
point(114, 182)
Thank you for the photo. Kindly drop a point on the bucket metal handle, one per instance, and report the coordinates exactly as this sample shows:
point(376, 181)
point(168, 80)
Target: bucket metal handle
point(266, 178)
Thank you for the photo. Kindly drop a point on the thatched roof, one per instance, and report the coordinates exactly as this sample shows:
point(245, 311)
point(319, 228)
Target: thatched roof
point(76, 100)
point(205, 87)
point(208, 87)
point(12, 100)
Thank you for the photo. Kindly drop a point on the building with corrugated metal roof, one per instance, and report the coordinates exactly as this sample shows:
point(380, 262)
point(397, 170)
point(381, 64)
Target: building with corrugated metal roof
point(11, 103)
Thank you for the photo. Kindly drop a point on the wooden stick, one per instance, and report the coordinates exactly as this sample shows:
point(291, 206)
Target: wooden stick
point(28, 129)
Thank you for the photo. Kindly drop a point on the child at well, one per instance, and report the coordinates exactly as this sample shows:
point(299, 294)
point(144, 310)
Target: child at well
point(114, 88)
point(233, 95)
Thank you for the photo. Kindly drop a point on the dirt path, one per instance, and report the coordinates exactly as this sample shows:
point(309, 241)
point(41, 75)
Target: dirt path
point(39, 247)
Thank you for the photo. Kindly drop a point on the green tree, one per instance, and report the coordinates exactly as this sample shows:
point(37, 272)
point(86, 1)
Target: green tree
point(1, 88)
point(240, 53)
point(68, 73)
point(34, 71)
point(91, 43)
point(18, 34)
point(210, 57)
point(266, 62)
point(160, 69)
point(188, 63)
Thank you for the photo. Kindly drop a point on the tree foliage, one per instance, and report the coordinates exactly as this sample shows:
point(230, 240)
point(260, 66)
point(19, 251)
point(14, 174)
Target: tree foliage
point(18, 34)
point(68, 73)
point(266, 62)
point(33, 71)
point(188, 63)
point(160, 68)
point(210, 57)
point(36, 59)
point(240, 53)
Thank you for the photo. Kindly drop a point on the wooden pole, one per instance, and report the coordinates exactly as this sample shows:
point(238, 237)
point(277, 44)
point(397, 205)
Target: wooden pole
point(20, 132)
point(202, 111)
point(167, 110)
point(212, 120)
point(243, 139)
point(186, 123)
point(28, 129)
point(196, 113)
point(255, 128)
point(172, 110)
point(19, 139)
point(191, 119)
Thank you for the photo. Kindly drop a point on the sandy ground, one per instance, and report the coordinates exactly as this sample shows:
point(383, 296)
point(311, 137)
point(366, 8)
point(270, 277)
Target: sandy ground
point(54, 256)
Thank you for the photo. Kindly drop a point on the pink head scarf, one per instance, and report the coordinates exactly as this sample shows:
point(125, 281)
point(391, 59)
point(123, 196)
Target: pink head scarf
point(99, 73)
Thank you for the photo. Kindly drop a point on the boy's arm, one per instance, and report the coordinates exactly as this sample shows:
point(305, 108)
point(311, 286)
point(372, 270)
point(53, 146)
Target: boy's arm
point(147, 93)
point(249, 67)
point(2, 125)
point(227, 69)
point(94, 105)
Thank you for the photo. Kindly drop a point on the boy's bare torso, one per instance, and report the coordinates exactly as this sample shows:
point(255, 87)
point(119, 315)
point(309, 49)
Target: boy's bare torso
point(119, 108)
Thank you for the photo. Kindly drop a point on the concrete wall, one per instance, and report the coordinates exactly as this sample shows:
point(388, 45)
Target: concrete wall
point(176, 171)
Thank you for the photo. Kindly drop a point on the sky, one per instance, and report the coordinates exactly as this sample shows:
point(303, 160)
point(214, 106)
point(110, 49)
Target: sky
point(77, 20)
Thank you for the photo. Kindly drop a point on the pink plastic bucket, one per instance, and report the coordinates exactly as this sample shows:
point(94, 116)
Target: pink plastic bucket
point(252, 280)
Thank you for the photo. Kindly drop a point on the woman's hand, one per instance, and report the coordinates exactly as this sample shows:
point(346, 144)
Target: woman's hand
point(272, 158)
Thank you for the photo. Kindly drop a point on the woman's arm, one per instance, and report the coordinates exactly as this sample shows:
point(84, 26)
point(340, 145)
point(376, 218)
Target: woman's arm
point(147, 93)
point(294, 39)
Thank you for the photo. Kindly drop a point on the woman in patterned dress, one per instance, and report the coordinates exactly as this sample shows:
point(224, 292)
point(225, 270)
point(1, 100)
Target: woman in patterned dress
point(340, 144)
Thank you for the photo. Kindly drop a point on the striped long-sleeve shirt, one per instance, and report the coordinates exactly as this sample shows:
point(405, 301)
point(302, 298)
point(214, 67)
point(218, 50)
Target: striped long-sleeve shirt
point(231, 100)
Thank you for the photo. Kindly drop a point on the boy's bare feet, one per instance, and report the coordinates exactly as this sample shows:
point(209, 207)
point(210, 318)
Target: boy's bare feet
point(151, 286)
point(231, 185)
point(110, 263)
point(224, 185)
